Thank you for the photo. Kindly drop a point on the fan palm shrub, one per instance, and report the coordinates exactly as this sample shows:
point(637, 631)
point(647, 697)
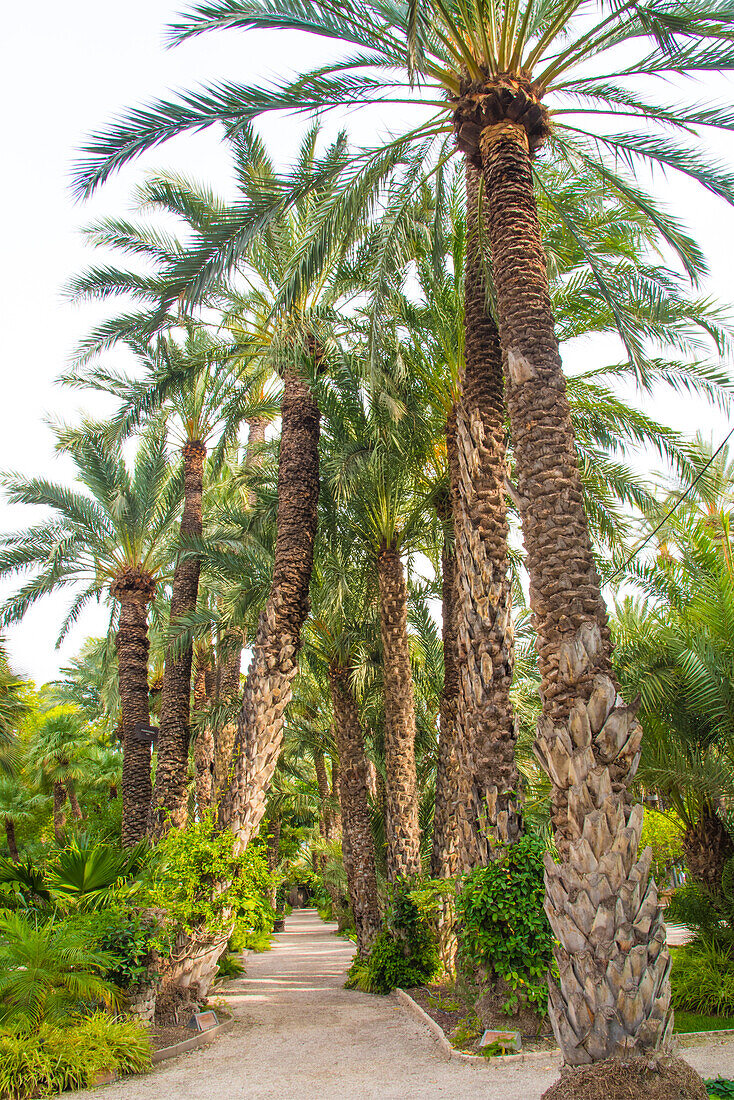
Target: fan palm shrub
point(49, 971)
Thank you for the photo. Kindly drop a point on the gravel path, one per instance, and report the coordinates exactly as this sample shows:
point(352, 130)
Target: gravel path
point(299, 1035)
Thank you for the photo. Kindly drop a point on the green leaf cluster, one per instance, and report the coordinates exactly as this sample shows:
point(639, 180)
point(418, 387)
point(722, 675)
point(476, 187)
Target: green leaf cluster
point(503, 930)
point(405, 953)
point(719, 1088)
point(702, 979)
point(198, 880)
point(45, 1061)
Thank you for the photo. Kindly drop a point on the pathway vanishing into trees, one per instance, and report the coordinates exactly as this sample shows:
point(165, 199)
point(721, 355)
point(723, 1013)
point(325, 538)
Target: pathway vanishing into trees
point(299, 1035)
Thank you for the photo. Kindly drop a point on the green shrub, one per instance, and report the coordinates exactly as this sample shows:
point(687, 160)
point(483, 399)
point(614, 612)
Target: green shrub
point(42, 1062)
point(405, 953)
point(229, 967)
point(720, 1089)
point(129, 937)
point(702, 979)
point(709, 915)
point(49, 970)
point(663, 833)
point(200, 883)
point(503, 930)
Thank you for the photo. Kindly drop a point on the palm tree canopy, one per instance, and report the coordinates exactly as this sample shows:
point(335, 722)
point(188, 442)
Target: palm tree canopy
point(119, 522)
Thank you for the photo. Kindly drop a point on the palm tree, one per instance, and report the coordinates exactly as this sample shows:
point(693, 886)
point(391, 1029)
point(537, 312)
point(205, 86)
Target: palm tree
point(112, 539)
point(56, 750)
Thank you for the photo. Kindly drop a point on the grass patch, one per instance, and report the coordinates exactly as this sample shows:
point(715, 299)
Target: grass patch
point(688, 1022)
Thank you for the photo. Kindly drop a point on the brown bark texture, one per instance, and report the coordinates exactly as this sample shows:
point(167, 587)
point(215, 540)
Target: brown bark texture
point(203, 743)
point(613, 998)
point(485, 636)
point(357, 844)
point(274, 663)
point(76, 810)
point(11, 839)
point(449, 806)
point(322, 781)
point(227, 690)
point(59, 815)
point(402, 828)
point(170, 797)
point(133, 590)
point(708, 847)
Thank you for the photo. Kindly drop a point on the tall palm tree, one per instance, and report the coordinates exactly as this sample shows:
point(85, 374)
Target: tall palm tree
point(112, 539)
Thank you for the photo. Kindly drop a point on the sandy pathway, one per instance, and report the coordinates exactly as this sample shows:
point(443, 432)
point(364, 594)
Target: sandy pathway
point(299, 1035)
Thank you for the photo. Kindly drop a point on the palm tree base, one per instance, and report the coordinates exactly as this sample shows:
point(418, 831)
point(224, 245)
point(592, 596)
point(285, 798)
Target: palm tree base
point(659, 1078)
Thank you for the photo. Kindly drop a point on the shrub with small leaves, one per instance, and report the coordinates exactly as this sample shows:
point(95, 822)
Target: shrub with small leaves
point(503, 930)
point(405, 953)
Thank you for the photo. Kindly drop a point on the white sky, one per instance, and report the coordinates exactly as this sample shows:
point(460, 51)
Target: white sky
point(65, 68)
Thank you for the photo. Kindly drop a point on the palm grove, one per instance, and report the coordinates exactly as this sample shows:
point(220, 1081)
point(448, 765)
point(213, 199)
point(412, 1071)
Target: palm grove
point(350, 406)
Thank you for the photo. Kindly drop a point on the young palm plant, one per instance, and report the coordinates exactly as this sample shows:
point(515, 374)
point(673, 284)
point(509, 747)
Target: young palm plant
point(112, 538)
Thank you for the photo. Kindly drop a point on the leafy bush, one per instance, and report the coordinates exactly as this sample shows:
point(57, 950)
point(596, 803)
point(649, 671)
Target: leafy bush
point(720, 1089)
point(49, 970)
point(42, 1062)
point(503, 930)
point(702, 979)
point(197, 879)
point(129, 937)
point(405, 953)
point(229, 967)
point(663, 832)
point(710, 916)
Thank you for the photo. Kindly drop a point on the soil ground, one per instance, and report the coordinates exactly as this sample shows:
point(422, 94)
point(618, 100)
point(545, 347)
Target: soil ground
point(299, 1035)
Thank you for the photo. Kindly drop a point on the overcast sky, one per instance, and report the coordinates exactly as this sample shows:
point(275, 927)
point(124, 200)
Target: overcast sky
point(65, 69)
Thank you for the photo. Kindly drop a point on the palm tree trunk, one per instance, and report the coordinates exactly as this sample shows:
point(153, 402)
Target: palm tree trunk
point(274, 661)
point(613, 997)
point(336, 816)
point(170, 802)
point(485, 639)
point(357, 844)
point(133, 593)
point(272, 856)
point(227, 692)
point(59, 815)
point(11, 839)
point(322, 780)
point(450, 825)
point(203, 742)
point(707, 847)
point(76, 810)
point(403, 832)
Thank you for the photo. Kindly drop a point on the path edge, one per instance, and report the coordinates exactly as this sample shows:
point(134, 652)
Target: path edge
point(196, 1041)
point(448, 1051)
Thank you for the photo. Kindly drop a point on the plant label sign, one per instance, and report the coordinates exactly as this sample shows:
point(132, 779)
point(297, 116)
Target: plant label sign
point(203, 1021)
point(511, 1041)
point(144, 732)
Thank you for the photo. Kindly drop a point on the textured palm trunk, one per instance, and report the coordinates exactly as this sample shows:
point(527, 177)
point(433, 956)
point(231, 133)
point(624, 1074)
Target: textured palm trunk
point(203, 743)
point(336, 816)
point(403, 832)
point(357, 844)
point(170, 798)
point(274, 663)
point(229, 671)
point(133, 591)
point(707, 847)
point(76, 810)
point(227, 691)
point(322, 781)
point(613, 998)
point(485, 726)
point(11, 839)
point(450, 825)
point(59, 815)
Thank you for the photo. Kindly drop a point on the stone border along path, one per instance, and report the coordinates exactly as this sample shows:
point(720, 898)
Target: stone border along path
point(299, 1035)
